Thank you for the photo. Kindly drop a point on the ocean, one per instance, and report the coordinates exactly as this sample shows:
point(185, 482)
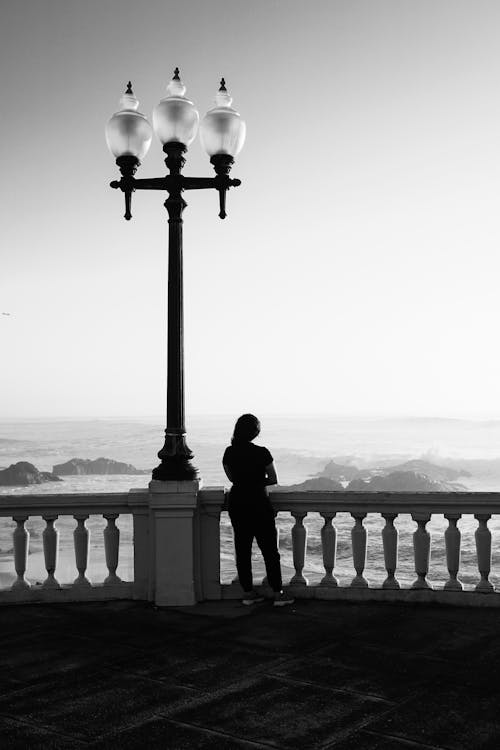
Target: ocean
point(301, 446)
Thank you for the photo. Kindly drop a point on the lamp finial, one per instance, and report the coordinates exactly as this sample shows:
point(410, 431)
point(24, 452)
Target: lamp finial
point(129, 88)
point(176, 75)
point(222, 85)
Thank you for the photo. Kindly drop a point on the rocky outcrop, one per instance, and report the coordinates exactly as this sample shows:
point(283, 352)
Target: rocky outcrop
point(23, 474)
point(344, 472)
point(403, 481)
point(415, 475)
point(84, 466)
point(316, 484)
point(433, 471)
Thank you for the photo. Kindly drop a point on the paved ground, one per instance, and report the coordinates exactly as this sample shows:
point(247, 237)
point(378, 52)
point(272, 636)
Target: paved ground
point(221, 676)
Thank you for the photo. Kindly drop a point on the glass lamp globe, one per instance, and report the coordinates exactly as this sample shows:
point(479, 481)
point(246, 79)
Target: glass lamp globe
point(222, 131)
point(175, 117)
point(128, 132)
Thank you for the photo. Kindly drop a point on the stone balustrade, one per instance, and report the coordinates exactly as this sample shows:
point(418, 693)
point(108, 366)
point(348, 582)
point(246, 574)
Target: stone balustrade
point(80, 507)
point(389, 505)
point(177, 544)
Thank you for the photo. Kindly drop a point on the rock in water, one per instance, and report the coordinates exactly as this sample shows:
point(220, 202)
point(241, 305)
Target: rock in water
point(346, 472)
point(403, 481)
point(431, 470)
point(23, 473)
point(315, 484)
point(85, 466)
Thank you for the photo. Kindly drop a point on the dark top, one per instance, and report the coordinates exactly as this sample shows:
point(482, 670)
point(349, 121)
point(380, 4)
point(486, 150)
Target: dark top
point(247, 464)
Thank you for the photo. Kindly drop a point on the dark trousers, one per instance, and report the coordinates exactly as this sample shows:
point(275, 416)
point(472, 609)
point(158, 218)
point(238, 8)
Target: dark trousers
point(257, 523)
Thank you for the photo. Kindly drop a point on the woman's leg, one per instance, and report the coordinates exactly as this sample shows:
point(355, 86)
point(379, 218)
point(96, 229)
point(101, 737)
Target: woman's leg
point(267, 539)
point(243, 540)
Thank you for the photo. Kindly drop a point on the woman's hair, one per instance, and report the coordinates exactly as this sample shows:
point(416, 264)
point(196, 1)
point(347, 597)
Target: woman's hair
point(247, 428)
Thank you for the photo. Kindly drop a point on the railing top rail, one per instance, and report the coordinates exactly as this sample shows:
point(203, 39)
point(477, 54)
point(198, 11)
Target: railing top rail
point(311, 501)
point(66, 504)
point(387, 502)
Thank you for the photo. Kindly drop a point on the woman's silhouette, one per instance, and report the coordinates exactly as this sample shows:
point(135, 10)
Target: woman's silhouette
point(250, 468)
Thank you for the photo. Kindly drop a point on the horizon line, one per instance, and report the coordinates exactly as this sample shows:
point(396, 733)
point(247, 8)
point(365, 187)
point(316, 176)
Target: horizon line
point(265, 415)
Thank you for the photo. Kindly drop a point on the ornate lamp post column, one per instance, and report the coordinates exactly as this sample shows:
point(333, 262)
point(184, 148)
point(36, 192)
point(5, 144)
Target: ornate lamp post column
point(128, 134)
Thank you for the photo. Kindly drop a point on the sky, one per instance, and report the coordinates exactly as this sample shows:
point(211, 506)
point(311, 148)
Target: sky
point(357, 271)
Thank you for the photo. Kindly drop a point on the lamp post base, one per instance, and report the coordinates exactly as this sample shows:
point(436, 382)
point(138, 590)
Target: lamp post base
point(175, 460)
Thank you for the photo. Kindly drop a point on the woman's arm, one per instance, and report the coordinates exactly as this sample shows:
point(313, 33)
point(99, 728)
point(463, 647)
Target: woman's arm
point(271, 476)
point(228, 472)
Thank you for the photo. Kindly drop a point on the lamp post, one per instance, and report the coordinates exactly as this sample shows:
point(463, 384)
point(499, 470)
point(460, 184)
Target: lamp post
point(128, 135)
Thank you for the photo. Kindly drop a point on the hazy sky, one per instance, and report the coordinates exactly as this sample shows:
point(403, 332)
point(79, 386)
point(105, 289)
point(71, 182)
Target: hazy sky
point(358, 269)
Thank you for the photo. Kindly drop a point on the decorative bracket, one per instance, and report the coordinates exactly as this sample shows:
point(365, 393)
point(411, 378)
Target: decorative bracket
point(222, 164)
point(128, 165)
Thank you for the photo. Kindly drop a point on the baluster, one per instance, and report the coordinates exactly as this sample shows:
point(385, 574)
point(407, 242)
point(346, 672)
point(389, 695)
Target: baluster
point(21, 539)
point(421, 551)
point(299, 540)
point(329, 545)
point(50, 538)
point(390, 536)
point(265, 582)
point(452, 539)
point(483, 548)
point(81, 537)
point(111, 547)
point(358, 540)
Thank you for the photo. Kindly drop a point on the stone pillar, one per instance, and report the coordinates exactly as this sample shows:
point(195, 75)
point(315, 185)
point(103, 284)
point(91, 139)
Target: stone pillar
point(173, 508)
point(143, 545)
point(208, 543)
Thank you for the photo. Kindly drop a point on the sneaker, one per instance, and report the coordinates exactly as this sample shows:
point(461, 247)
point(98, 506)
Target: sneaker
point(252, 597)
point(281, 599)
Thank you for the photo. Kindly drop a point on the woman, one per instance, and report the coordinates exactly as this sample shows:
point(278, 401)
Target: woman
point(251, 470)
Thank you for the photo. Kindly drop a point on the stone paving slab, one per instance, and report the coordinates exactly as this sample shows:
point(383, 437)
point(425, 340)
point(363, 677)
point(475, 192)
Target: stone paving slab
point(20, 735)
point(444, 716)
point(34, 658)
point(422, 629)
point(365, 740)
point(165, 733)
point(16, 619)
point(273, 629)
point(86, 705)
point(203, 663)
point(363, 670)
point(128, 622)
point(269, 709)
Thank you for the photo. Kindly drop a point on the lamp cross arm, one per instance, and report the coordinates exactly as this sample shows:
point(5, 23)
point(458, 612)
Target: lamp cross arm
point(222, 182)
point(148, 183)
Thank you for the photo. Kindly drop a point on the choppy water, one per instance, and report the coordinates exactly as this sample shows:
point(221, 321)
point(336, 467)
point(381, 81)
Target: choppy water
point(301, 447)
